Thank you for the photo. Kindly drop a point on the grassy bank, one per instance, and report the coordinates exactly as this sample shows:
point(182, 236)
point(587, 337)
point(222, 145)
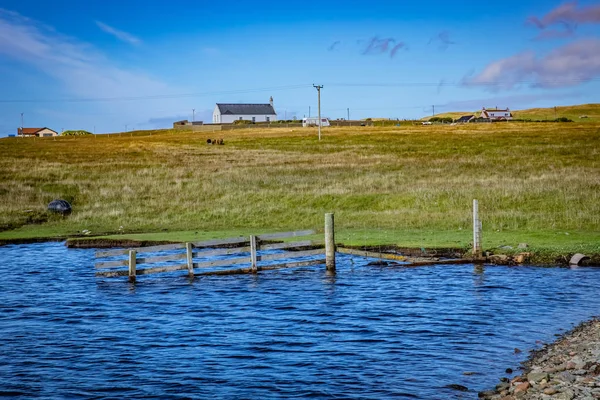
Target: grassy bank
point(407, 185)
point(584, 113)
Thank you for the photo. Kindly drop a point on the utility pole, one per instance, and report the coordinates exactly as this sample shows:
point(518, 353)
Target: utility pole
point(433, 110)
point(348, 109)
point(308, 111)
point(319, 95)
point(21, 123)
point(193, 114)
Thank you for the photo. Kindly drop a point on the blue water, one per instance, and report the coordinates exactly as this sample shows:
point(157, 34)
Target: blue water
point(368, 332)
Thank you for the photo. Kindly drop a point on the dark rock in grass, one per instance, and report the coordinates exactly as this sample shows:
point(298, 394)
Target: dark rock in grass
point(60, 207)
point(460, 388)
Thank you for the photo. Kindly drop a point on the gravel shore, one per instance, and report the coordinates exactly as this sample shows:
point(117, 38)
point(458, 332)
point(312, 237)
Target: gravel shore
point(566, 369)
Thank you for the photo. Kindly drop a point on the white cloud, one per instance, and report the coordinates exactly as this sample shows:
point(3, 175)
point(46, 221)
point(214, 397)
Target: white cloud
point(121, 35)
point(82, 70)
point(569, 65)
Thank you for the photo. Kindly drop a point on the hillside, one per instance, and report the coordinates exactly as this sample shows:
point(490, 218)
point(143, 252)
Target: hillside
point(592, 111)
point(406, 185)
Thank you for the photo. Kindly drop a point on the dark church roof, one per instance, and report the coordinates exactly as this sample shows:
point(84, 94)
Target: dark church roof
point(246, 109)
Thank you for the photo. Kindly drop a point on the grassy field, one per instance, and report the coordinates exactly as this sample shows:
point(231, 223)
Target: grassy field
point(591, 111)
point(408, 185)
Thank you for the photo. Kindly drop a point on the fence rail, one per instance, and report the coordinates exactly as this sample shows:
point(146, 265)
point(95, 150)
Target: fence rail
point(195, 254)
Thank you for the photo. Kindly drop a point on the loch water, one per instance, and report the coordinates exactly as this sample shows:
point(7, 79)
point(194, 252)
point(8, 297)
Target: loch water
point(367, 332)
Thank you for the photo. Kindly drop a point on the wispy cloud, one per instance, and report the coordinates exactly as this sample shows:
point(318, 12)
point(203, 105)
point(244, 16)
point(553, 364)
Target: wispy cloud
point(79, 66)
point(569, 65)
point(121, 35)
point(567, 17)
point(443, 40)
point(334, 46)
point(390, 46)
point(397, 48)
point(79, 69)
point(549, 34)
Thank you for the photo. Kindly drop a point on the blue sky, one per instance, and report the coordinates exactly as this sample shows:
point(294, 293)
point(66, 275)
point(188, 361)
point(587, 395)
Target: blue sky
point(105, 65)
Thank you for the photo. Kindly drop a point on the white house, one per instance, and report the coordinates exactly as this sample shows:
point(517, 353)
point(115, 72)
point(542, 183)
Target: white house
point(39, 132)
point(229, 113)
point(496, 114)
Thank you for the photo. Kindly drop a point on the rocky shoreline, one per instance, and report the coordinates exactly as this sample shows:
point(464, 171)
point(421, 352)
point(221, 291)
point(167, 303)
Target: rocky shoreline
point(567, 369)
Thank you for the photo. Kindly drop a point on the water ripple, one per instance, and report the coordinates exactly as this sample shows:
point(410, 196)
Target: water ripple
point(367, 332)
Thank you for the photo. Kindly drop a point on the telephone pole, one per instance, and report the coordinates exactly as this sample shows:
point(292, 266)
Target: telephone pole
point(433, 110)
point(348, 109)
point(193, 114)
point(21, 122)
point(319, 95)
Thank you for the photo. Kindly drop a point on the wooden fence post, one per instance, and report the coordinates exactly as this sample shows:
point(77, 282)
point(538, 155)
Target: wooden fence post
point(190, 258)
point(329, 242)
point(476, 230)
point(132, 265)
point(253, 257)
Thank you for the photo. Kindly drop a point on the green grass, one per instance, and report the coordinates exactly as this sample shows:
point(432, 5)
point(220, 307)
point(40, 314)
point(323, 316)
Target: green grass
point(591, 111)
point(410, 185)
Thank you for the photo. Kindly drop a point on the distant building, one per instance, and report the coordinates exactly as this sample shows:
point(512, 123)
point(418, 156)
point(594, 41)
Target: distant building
point(229, 113)
point(464, 119)
point(495, 114)
point(314, 121)
point(185, 122)
point(39, 132)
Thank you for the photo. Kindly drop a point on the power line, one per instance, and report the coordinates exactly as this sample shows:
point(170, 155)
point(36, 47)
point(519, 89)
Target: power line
point(298, 86)
point(462, 83)
point(154, 97)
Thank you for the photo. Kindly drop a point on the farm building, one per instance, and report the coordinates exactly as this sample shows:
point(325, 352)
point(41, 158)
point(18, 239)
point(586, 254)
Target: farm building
point(39, 132)
point(495, 114)
point(464, 119)
point(229, 113)
point(185, 122)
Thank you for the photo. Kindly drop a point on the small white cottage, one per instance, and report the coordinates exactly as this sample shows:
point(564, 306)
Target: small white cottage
point(496, 114)
point(229, 113)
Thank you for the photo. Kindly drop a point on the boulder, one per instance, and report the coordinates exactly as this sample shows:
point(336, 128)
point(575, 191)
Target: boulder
point(60, 207)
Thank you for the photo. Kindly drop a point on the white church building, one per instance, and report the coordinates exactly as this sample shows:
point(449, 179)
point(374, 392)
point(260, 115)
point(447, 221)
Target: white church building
point(229, 113)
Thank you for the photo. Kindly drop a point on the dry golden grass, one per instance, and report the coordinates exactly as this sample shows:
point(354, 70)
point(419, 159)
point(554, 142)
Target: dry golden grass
point(527, 177)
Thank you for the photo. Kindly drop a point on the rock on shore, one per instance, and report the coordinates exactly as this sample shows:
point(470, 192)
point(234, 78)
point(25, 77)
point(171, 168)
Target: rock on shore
point(566, 369)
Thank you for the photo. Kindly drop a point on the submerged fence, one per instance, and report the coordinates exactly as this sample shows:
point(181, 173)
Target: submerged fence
point(251, 250)
point(195, 255)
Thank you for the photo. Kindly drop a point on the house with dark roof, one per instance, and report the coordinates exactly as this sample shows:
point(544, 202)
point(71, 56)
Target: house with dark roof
point(496, 114)
point(464, 119)
point(39, 132)
point(229, 113)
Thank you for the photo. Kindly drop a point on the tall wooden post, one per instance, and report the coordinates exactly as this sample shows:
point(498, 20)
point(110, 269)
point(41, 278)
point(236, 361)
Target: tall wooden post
point(132, 265)
point(253, 257)
point(476, 230)
point(329, 242)
point(190, 258)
